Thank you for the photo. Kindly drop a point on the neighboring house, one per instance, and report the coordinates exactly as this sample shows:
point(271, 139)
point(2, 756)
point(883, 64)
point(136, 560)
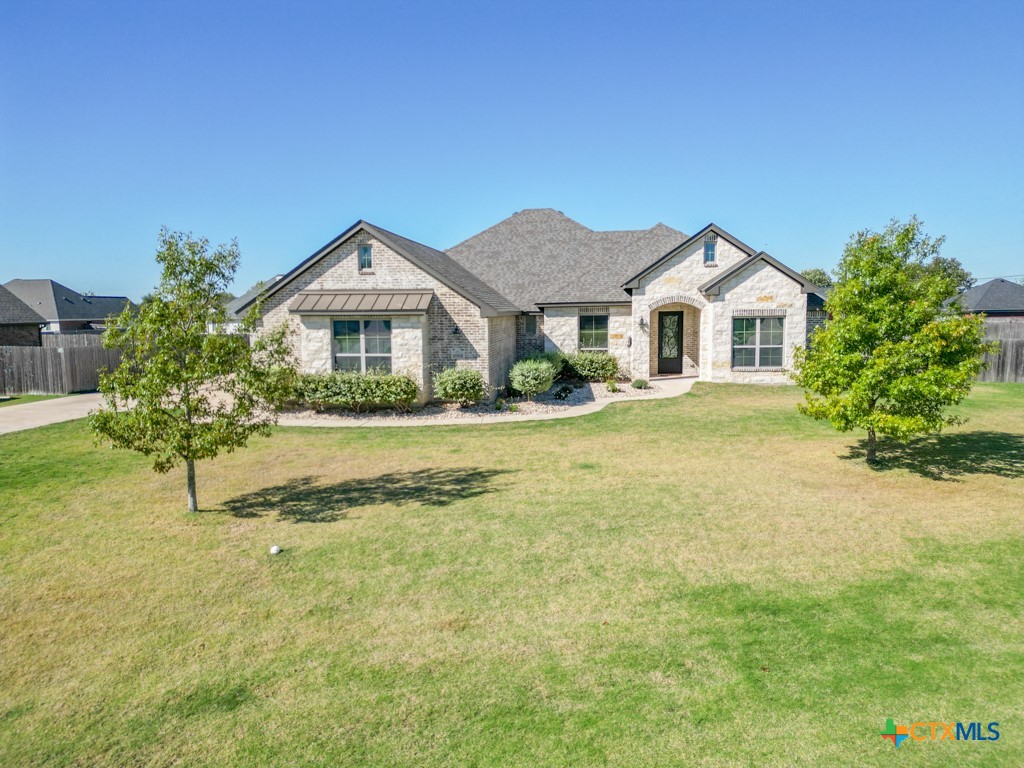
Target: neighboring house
point(19, 324)
point(661, 302)
point(997, 298)
point(65, 310)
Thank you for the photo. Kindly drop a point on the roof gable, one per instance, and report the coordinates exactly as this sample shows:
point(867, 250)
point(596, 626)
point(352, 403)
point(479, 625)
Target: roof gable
point(435, 263)
point(714, 286)
point(634, 282)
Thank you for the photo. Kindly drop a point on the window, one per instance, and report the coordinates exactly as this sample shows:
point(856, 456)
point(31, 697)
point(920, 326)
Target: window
point(710, 243)
point(362, 345)
point(365, 258)
point(530, 326)
point(757, 342)
point(594, 332)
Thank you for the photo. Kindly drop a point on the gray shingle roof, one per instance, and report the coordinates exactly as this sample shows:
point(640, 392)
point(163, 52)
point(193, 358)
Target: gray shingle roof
point(58, 302)
point(435, 263)
point(246, 298)
point(997, 295)
point(540, 256)
point(13, 311)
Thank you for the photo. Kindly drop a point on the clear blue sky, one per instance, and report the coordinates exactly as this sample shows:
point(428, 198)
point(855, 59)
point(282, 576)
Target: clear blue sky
point(790, 125)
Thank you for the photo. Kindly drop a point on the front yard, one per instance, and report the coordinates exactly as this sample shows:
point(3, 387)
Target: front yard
point(707, 580)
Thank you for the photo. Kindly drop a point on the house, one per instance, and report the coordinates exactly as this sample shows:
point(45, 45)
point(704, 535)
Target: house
point(660, 301)
point(19, 324)
point(65, 310)
point(245, 300)
point(997, 298)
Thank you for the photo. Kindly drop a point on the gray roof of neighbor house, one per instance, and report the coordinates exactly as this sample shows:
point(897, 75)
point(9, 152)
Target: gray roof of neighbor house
point(246, 298)
point(14, 311)
point(435, 263)
point(540, 256)
point(995, 296)
point(58, 302)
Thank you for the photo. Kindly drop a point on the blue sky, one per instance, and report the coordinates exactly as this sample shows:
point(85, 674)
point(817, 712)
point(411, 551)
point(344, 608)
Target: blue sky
point(789, 124)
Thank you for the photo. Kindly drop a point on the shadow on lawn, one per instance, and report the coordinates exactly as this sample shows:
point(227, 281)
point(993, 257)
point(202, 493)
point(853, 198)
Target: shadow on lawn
point(307, 500)
point(947, 456)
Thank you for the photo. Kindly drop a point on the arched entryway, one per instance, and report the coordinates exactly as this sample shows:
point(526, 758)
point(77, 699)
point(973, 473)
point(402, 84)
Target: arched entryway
point(675, 337)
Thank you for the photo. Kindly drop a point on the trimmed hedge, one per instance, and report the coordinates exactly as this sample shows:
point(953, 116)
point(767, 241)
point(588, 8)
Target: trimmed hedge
point(463, 385)
point(592, 366)
point(556, 358)
point(531, 377)
point(350, 391)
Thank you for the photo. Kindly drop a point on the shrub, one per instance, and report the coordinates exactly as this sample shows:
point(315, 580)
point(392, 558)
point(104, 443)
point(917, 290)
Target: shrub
point(556, 358)
point(531, 377)
point(612, 386)
point(563, 392)
point(463, 385)
point(593, 366)
point(357, 392)
point(640, 384)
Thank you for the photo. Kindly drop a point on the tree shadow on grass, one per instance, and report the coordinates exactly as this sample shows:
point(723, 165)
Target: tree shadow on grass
point(948, 456)
point(309, 500)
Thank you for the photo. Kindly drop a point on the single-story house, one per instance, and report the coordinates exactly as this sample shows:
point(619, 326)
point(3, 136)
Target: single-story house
point(233, 306)
point(64, 310)
point(997, 298)
point(19, 324)
point(662, 302)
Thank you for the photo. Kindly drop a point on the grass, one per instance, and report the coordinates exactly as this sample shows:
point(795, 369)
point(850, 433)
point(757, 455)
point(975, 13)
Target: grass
point(711, 580)
point(21, 399)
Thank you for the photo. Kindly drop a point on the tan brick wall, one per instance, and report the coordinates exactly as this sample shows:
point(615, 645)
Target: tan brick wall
point(528, 343)
point(448, 310)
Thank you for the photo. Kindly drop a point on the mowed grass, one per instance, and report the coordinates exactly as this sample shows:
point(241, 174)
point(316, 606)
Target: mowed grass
point(22, 399)
point(712, 580)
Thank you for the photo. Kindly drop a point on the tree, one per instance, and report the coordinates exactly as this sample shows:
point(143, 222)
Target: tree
point(894, 354)
point(181, 394)
point(953, 269)
point(818, 276)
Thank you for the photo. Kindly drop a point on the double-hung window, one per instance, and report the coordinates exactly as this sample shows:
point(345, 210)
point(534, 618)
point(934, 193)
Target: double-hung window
point(365, 258)
point(594, 332)
point(362, 345)
point(757, 342)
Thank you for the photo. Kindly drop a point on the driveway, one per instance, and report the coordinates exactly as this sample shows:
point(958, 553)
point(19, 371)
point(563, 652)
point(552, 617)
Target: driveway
point(14, 418)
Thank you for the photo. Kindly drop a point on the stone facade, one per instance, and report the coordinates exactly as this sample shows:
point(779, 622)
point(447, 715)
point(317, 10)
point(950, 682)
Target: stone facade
point(20, 336)
point(562, 330)
point(450, 334)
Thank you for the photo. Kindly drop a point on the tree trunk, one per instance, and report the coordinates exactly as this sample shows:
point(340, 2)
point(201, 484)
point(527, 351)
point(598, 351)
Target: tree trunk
point(871, 446)
point(190, 467)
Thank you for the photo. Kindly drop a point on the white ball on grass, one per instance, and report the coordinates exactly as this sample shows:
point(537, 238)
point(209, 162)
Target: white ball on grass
point(275, 550)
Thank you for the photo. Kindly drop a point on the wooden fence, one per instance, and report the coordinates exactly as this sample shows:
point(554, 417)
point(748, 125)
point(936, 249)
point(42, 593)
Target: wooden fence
point(1008, 365)
point(81, 339)
point(50, 370)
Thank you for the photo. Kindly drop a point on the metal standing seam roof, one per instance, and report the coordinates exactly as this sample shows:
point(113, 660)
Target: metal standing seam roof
point(361, 302)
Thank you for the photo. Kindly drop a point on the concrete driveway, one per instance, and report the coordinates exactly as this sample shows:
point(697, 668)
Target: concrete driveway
point(14, 418)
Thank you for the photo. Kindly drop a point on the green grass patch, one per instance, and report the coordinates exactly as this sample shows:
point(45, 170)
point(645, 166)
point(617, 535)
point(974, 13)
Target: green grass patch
point(22, 399)
point(707, 580)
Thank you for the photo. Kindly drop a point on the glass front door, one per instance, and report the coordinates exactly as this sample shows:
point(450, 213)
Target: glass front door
point(670, 342)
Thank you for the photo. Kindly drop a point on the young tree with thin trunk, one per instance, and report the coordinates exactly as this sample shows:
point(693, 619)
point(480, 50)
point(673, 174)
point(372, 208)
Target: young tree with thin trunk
point(182, 394)
point(895, 352)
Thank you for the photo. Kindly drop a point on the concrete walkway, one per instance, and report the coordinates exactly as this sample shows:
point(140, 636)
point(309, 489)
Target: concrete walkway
point(14, 418)
point(669, 387)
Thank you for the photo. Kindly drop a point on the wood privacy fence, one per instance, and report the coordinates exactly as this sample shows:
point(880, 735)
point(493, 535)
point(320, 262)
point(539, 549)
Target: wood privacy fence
point(50, 370)
point(1008, 365)
point(72, 340)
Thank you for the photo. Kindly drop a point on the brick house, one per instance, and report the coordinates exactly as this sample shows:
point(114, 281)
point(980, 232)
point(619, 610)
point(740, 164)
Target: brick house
point(661, 302)
point(19, 323)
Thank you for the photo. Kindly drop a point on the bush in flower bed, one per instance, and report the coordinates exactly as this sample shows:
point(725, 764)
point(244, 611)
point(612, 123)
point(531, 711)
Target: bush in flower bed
point(556, 358)
point(351, 391)
point(463, 385)
point(531, 377)
point(592, 366)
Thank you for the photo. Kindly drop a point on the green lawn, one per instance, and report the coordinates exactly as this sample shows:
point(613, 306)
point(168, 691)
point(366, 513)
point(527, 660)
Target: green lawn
point(712, 580)
point(19, 399)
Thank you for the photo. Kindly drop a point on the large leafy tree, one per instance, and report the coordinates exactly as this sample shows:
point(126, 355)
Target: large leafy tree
point(182, 394)
point(818, 276)
point(895, 353)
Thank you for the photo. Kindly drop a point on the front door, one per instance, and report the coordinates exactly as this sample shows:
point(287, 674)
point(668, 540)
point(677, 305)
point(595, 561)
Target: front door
point(670, 342)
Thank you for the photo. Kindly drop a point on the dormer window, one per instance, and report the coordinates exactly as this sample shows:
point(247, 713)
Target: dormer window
point(365, 258)
point(710, 243)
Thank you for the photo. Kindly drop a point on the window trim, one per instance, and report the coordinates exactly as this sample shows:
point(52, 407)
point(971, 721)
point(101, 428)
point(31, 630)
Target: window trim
point(363, 353)
point(757, 346)
point(526, 325)
point(365, 249)
point(711, 249)
point(579, 331)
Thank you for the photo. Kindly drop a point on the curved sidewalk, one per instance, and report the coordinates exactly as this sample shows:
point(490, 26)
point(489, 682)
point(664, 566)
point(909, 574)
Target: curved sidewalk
point(669, 388)
point(14, 418)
